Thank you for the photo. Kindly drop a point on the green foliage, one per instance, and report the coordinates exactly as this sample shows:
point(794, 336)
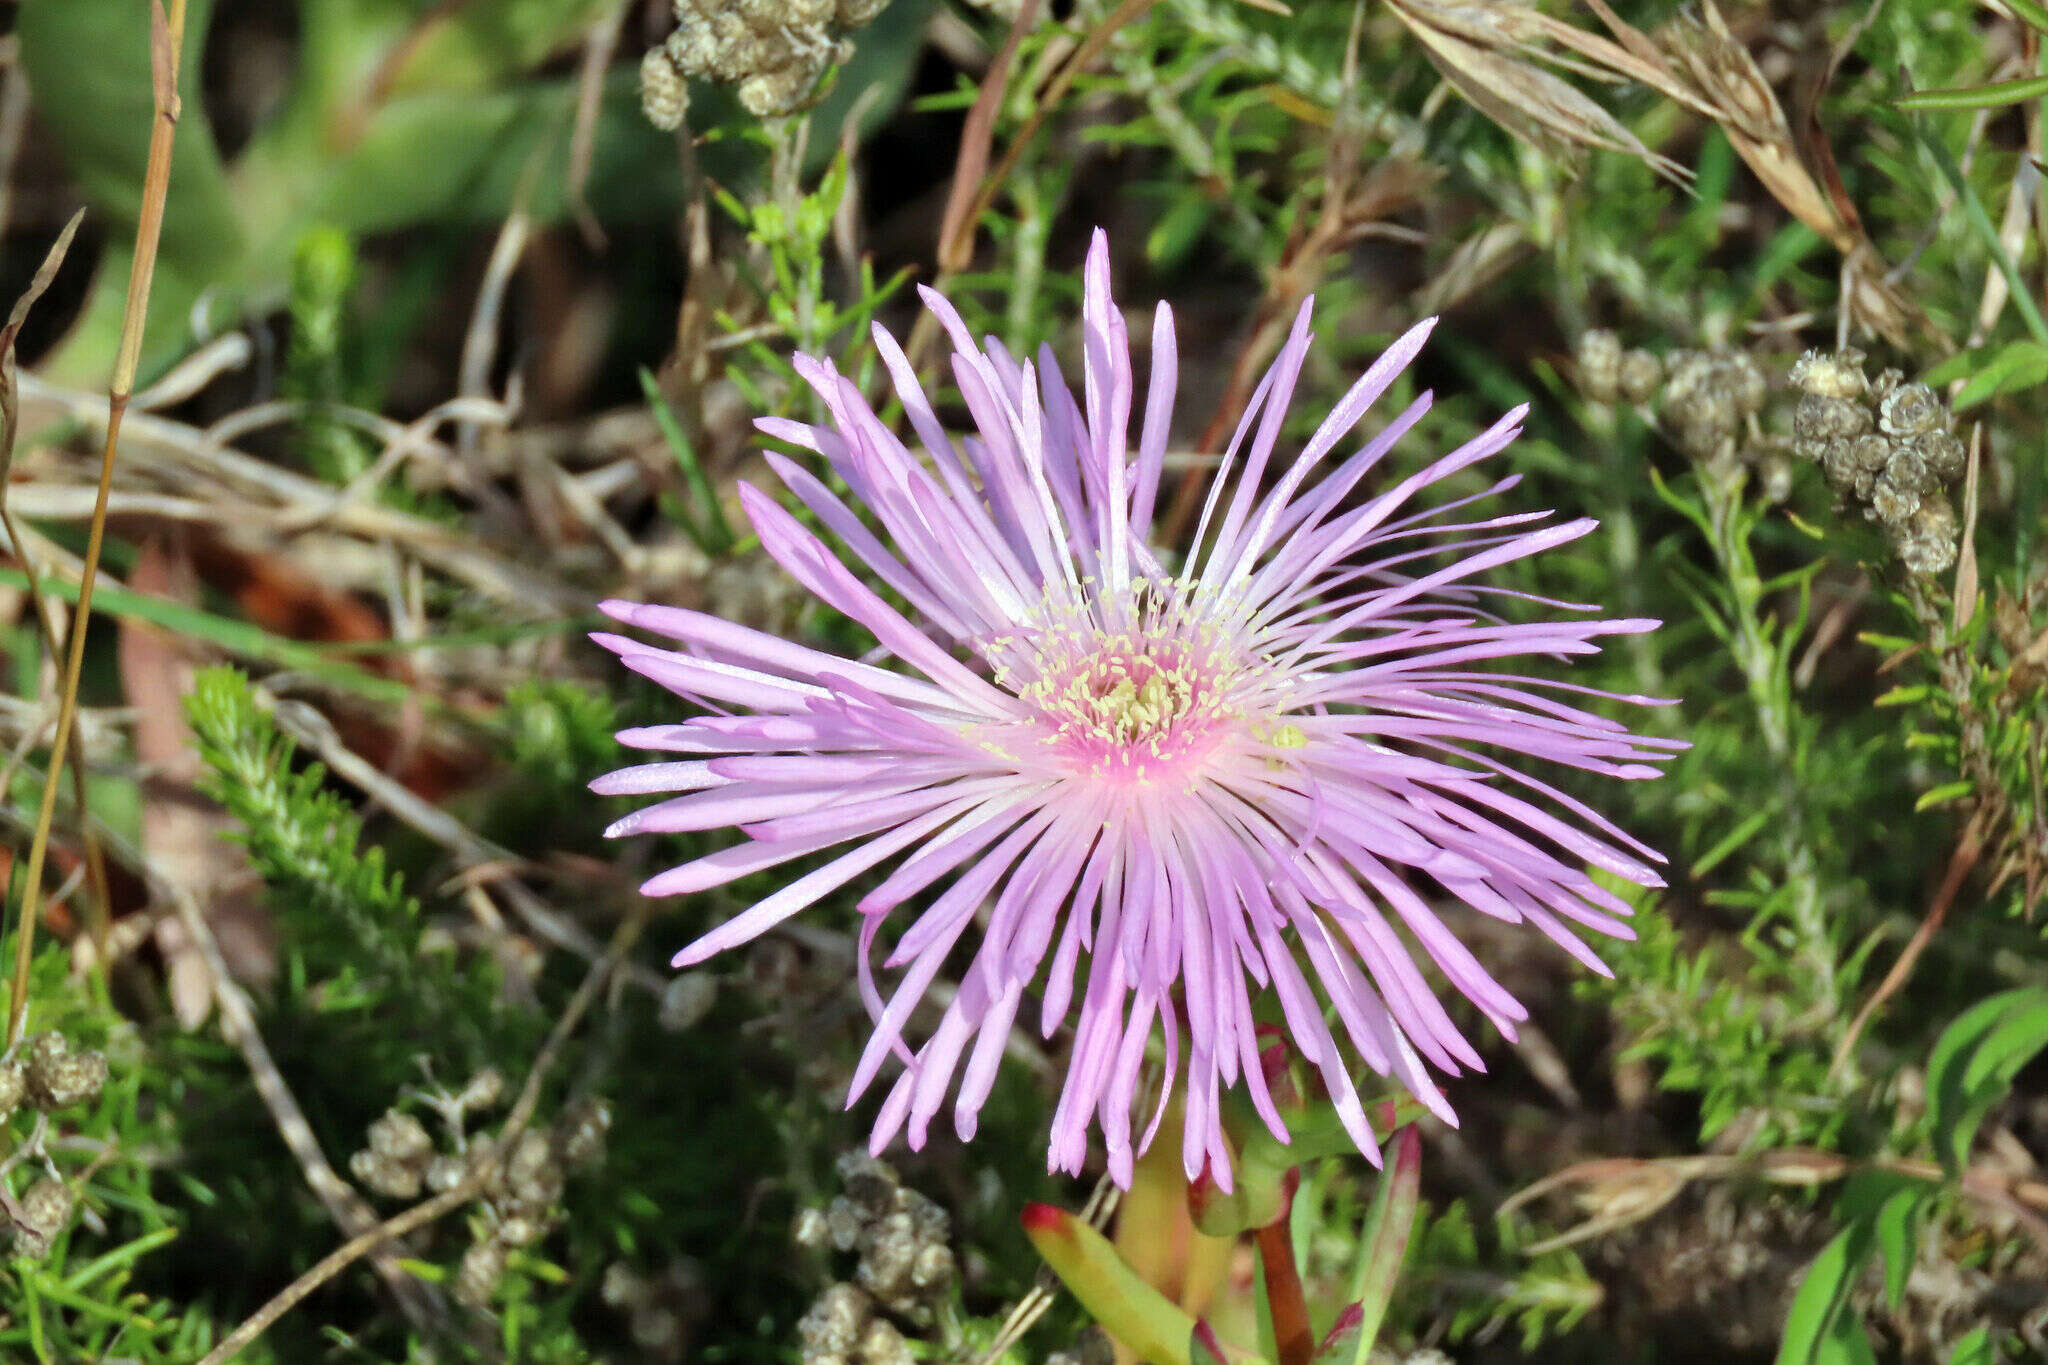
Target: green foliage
point(1456, 1278)
point(454, 133)
point(95, 1295)
point(553, 734)
point(1717, 1032)
point(1973, 1065)
point(790, 231)
point(323, 277)
point(1883, 1214)
point(300, 835)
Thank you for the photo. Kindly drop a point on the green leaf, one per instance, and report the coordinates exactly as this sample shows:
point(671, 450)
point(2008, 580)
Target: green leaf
point(1974, 1349)
point(1383, 1247)
point(2017, 366)
point(1151, 1326)
point(89, 63)
point(1978, 96)
point(1847, 1343)
point(1942, 795)
point(1735, 839)
point(2029, 12)
point(236, 637)
point(1979, 221)
point(1898, 1225)
point(478, 45)
point(714, 535)
point(1905, 696)
point(1262, 1165)
point(1973, 1065)
point(1814, 1332)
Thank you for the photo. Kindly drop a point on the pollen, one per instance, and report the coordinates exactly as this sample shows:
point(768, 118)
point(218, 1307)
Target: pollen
point(1148, 702)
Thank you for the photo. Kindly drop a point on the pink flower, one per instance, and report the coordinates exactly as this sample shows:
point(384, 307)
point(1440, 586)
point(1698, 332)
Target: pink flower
point(1144, 784)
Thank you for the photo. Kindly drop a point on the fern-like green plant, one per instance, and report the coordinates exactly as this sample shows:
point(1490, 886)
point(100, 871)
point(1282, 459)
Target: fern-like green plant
point(337, 898)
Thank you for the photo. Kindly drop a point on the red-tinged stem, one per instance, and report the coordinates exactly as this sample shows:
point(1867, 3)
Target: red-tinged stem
point(1293, 1336)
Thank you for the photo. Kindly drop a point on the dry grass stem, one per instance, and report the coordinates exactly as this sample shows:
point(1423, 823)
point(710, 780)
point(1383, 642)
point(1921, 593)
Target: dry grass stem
point(166, 41)
point(242, 489)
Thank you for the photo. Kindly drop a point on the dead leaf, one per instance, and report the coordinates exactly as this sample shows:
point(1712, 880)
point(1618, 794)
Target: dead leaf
point(183, 834)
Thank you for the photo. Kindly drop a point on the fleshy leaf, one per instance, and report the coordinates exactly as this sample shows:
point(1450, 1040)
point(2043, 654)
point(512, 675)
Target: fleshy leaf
point(1383, 1247)
point(1147, 1324)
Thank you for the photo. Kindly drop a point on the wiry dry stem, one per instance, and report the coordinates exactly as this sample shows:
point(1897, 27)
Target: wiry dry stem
point(166, 42)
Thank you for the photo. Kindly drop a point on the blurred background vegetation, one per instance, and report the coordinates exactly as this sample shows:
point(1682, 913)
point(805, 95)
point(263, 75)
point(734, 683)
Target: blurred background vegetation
point(461, 315)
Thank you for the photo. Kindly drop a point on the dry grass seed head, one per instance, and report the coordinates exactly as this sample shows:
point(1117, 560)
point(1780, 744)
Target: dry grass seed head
point(1489, 52)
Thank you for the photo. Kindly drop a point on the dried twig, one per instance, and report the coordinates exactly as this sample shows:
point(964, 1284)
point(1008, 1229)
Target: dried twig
point(957, 226)
point(471, 851)
point(600, 41)
point(1968, 849)
point(257, 492)
point(14, 102)
point(1702, 65)
point(1489, 54)
point(926, 331)
point(1029, 1309)
point(1627, 1190)
point(1350, 202)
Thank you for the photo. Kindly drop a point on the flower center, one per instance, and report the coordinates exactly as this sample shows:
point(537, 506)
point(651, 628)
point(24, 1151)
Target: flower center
point(1129, 700)
point(1129, 706)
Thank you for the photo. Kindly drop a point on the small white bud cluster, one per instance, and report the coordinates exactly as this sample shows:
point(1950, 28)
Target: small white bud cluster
point(660, 1310)
point(905, 1266)
point(1708, 403)
point(522, 1201)
point(1884, 445)
point(519, 1203)
point(772, 51)
point(47, 1076)
point(45, 1207)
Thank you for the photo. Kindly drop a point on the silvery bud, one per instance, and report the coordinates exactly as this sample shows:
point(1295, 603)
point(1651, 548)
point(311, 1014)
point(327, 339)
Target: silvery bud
point(664, 91)
point(1818, 419)
point(1946, 456)
point(1826, 374)
point(400, 1137)
point(1599, 363)
point(1910, 410)
point(476, 1278)
point(1927, 543)
point(1640, 375)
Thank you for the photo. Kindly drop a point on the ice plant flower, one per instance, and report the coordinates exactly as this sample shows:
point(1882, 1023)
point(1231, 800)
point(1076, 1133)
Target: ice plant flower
point(1144, 783)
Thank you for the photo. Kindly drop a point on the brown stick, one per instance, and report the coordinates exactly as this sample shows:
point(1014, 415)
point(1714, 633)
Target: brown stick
point(956, 225)
point(960, 223)
point(1301, 265)
point(1968, 850)
point(166, 42)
